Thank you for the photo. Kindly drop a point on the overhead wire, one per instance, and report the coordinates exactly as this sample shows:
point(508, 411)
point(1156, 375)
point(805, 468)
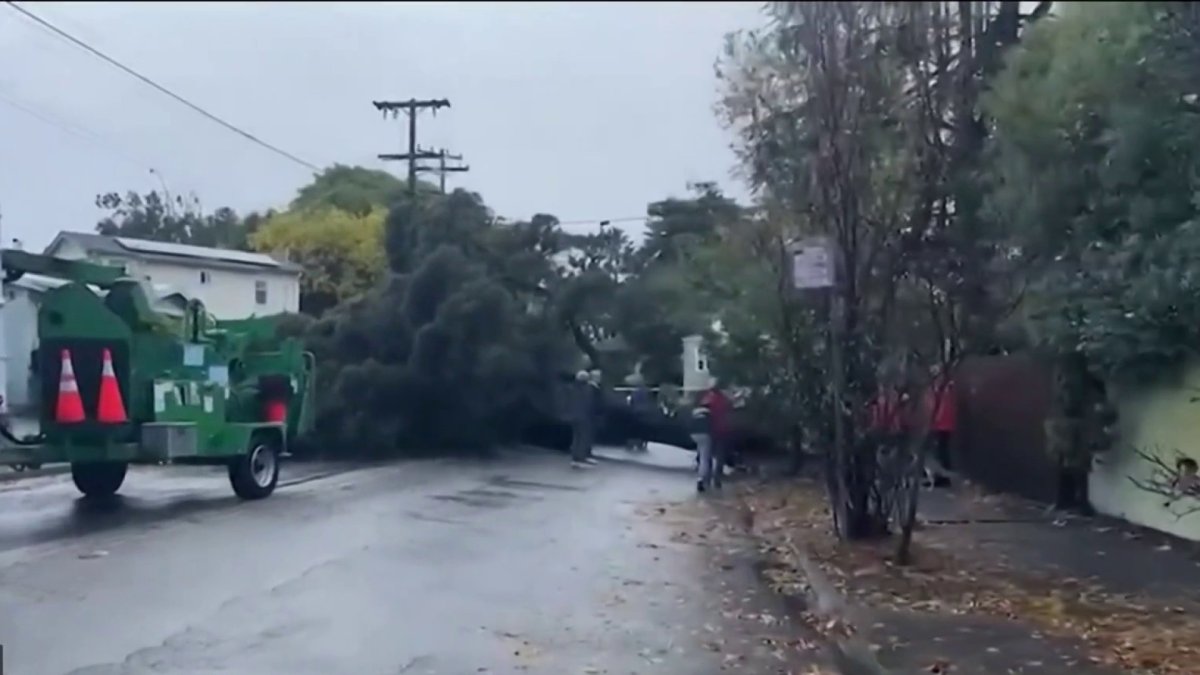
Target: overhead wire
point(72, 129)
point(605, 221)
point(62, 34)
point(160, 88)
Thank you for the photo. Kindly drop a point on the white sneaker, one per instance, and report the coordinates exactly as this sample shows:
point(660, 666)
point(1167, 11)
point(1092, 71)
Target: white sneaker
point(580, 465)
point(592, 461)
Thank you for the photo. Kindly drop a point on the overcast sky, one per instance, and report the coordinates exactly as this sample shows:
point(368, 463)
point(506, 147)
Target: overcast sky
point(586, 111)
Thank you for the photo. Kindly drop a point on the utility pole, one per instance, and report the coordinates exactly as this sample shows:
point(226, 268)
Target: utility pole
point(441, 169)
point(411, 107)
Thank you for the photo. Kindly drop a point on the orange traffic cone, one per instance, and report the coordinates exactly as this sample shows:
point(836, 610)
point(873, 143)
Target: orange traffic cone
point(69, 409)
point(110, 409)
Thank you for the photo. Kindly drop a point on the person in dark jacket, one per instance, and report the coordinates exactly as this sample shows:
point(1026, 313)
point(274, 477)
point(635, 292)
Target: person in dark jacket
point(701, 429)
point(720, 409)
point(596, 391)
point(582, 414)
point(642, 403)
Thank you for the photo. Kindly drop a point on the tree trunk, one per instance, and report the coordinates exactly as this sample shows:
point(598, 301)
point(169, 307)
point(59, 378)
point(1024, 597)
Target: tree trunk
point(796, 440)
point(912, 498)
point(585, 345)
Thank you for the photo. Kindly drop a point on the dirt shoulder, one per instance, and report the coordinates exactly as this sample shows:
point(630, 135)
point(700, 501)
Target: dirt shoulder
point(963, 606)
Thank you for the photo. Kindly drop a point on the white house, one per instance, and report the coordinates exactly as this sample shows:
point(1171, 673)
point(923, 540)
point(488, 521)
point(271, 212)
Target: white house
point(231, 284)
point(696, 376)
point(20, 307)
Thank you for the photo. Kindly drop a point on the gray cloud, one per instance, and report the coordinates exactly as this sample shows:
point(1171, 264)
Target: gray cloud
point(584, 110)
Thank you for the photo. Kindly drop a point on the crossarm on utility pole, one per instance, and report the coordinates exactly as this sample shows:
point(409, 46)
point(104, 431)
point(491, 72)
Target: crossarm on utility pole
point(393, 106)
point(411, 107)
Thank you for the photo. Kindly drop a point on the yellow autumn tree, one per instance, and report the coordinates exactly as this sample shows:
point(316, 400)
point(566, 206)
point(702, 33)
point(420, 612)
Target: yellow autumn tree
point(341, 253)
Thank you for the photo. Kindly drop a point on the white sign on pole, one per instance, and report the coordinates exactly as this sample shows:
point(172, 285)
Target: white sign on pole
point(811, 264)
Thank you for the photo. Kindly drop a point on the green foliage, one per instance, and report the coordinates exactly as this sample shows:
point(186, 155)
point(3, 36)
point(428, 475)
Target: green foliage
point(156, 217)
point(771, 341)
point(675, 225)
point(444, 353)
point(859, 122)
point(340, 253)
point(461, 219)
point(653, 312)
point(660, 297)
point(354, 189)
point(461, 342)
point(1094, 168)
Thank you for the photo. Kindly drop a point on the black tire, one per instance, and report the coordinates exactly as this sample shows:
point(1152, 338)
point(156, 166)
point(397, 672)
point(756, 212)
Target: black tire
point(98, 479)
point(254, 474)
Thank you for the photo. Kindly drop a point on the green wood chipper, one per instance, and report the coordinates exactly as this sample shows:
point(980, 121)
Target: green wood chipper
point(122, 383)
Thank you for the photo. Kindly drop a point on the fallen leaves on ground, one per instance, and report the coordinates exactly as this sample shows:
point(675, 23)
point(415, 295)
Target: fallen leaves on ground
point(1122, 631)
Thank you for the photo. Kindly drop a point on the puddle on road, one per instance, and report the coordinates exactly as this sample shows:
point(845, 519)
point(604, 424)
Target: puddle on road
point(476, 502)
point(433, 519)
point(499, 495)
point(515, 483)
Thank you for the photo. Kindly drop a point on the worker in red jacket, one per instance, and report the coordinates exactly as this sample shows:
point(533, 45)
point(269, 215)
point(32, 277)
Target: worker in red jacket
point(887, 416)
point(941, 402)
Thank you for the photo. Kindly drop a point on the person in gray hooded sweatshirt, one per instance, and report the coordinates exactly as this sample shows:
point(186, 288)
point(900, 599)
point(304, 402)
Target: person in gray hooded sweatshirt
point(582, 413)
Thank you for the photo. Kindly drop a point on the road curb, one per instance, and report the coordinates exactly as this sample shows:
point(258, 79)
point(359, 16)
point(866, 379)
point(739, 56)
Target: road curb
point(14, 476)
point(852, 655)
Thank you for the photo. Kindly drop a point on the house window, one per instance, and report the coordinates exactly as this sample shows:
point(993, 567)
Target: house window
point(204, 277)
point(260, 292)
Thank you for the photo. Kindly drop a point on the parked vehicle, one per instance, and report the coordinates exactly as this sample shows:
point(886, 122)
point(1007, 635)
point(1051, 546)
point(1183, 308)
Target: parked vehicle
point(123, 384)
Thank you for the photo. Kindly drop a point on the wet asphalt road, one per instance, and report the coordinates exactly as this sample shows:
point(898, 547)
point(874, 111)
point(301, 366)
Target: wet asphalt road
point(518, 565)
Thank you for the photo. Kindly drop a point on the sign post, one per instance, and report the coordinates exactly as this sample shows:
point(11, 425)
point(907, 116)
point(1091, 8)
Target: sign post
point(814, 268)
point(811, 264)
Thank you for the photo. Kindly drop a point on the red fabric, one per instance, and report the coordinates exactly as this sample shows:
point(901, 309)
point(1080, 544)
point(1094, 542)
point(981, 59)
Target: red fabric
point(275, 411)
point(945, 417)
point(719, 407)
point(886, 414)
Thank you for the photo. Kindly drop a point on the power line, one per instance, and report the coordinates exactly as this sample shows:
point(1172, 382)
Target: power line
point(605, 221)
point(92, 137)
point(442, 168)
point(72, 129)
point(146, 80)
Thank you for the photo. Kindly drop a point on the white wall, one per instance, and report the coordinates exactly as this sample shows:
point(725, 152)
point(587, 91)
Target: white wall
point(226, 293)
point(5, 359)
point(20, 337)
point(71, 251)
point(1160, 420)
point(696, 376)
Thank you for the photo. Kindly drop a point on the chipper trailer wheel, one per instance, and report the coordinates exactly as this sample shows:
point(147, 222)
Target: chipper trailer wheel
point(98, 479)
point(254, 474)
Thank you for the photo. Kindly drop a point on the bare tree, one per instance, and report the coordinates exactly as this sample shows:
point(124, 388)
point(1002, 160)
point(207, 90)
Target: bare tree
point(1166, 480)
point(862, 120)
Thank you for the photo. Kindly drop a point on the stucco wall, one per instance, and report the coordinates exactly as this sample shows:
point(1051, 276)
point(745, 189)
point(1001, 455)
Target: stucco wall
point(1165, 417)
point(226, 293)
point(20, 337)
point(229, 294)
point(696, 376)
